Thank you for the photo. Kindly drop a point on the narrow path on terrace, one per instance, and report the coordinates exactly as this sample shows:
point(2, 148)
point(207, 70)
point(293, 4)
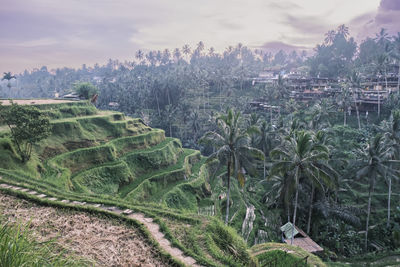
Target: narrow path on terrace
point(153, 228)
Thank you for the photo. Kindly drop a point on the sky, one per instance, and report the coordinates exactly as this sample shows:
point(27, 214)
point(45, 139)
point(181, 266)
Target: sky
point(58, 33)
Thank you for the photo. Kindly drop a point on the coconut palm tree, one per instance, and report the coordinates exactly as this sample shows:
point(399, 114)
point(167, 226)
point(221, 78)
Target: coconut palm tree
point(344, 101)
point(195, 124)
point(329, 37)
point(8, 76)
point(375, 163)
point(380, 65)
point(391, 130)
point(177, 54)
point(139, 56)
point(233, 149)
point(320, 113)
point(395, 54)
point(382, 37)
point(355, 83)
point(186, 50)
point(301, 158)
point(343, 30)
point(266, 141)
point(320, 138)
point(211, 52)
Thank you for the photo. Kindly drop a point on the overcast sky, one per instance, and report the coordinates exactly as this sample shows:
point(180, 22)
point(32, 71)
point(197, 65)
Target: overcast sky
point(58, 33)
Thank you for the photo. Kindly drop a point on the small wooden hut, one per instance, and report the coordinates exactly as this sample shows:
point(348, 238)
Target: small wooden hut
point(300, 238)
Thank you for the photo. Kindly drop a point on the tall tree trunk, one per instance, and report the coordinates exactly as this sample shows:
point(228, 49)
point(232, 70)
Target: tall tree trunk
point(371, 191)
point(389, 196)
point(358, 113)
point(158, 105)
point(228, 192)
point(270, 112)
point(379, 102)
point(264, 167)
point(311, 208)
point(344, 116)
point(386, 83)
point(169, 98)
point(204, 99)
point(295, 205)
point(398, 80)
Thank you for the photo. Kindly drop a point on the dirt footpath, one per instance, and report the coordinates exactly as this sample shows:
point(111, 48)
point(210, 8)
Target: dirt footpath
point(35, 101)
point(105, 242)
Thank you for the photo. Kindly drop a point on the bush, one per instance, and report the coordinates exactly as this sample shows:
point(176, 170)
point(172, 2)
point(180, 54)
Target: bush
point(85, 90)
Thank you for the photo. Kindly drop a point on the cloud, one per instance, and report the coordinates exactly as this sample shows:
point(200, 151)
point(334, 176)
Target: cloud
point(39, 42)
point(386, 16)
point(280, 5)
point(275, 46)
point(307, 24)
point(390, 5)
point(68, 33)
point(229, 24)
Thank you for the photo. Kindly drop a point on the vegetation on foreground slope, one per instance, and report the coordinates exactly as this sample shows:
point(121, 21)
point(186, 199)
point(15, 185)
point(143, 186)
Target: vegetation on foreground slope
point(108, 159)
point(62, 237)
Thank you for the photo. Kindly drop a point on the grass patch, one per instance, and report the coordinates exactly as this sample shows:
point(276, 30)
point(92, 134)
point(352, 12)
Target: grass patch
point(19, 248)
point(296, 252)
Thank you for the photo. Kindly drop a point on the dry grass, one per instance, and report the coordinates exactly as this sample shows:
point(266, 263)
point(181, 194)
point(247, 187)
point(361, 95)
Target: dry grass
point(105, 242)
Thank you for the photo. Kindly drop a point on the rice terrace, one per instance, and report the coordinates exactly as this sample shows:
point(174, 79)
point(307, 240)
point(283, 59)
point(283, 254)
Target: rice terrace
point(153, 133)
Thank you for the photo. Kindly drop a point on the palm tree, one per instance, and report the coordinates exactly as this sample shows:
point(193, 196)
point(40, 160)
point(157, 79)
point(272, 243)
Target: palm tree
point(300, 157)
point(151, 57)
point(376, 162)
point(195, 124)
point(233, 149)
point(380, 65)
point(170, 112)
point(395, 53)
point(186, 50)
point(211, 52)
point(344, 100)
point(382, 37)
point(177, 54)
point(281, 88)
point(355, 84)
point(200, 47)
point(320, 113)
point(7, 76)
point(266, 141)
point(320, 138)
point(166, 55)
point(139, 56)
point(329, 37)
point(391, 131)
point(343, 30)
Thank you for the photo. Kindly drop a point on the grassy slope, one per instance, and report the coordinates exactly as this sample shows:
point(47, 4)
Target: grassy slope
point(95, 156)
point(262, 250)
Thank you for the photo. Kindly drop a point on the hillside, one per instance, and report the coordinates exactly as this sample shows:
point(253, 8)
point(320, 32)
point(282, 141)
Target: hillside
point(104, 163)
point(109, 165)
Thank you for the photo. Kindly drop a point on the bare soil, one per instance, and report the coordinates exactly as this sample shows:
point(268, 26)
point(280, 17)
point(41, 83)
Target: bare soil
point(103, 241)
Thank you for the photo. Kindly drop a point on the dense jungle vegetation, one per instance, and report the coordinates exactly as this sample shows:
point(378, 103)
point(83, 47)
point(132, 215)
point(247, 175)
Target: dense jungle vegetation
point(335, 173)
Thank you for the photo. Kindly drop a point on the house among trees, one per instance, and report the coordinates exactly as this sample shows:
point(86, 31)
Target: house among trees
point(300, 238)
point(71, 96)
point(367, 93)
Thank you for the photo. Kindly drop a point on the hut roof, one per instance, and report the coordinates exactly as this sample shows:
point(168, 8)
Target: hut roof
point(301, 239)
